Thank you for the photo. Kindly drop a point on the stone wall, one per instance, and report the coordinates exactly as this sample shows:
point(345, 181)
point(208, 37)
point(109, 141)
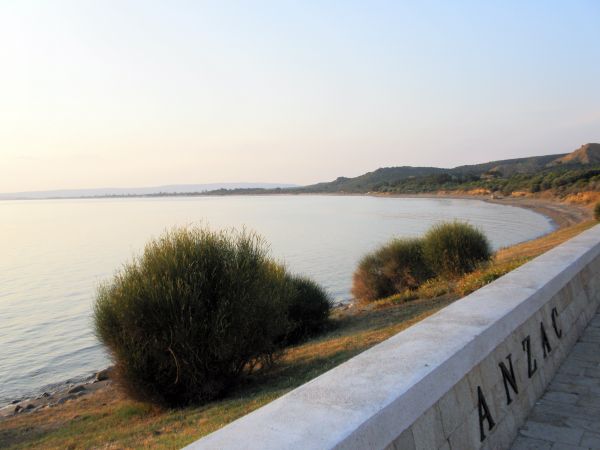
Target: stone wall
point(464, 378)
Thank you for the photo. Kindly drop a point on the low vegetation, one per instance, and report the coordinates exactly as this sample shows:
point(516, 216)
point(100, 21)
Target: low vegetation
point(394, 267)
point(198, 311)
point(455, 248)
point(597, 211)
point(308, 309)
point(561, 181)
point(408, 266)
point(555, 175)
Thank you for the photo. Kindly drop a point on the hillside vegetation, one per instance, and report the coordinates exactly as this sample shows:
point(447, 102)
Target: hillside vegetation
point(563, 174)
point(560, 174)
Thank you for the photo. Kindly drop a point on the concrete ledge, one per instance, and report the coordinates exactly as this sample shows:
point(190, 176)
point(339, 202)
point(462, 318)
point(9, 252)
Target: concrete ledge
point(439, 384)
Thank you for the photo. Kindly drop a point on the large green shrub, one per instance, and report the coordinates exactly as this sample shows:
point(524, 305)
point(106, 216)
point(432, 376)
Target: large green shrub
point(455, 248)
point(394, 267)
point(597, 211)
point(193, 314)
point(308, 309)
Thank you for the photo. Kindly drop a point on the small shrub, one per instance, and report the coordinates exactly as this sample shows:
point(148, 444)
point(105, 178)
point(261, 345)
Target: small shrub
point(308, 310)
point(597, 211)
point(393, 268)
point(198, 310)
point(455, 248)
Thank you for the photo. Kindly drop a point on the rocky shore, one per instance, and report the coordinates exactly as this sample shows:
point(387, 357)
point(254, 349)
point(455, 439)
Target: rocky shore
point(67, 392)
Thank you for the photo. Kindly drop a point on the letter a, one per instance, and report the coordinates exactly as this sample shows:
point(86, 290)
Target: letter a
point(484, 414)
point(531, 362)
point(545, 342)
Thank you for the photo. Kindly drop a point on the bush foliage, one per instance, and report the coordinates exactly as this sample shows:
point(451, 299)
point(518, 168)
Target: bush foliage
point(393, 268)
point(404, 266)
point(455, 248)
point(308, 309)
point(198, 310)
point(597, 211)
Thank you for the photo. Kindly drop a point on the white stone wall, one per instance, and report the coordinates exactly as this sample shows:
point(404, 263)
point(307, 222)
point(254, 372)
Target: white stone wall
point(438, 384)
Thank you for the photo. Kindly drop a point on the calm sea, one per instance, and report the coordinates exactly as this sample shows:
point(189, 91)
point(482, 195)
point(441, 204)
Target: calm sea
point(55, 252)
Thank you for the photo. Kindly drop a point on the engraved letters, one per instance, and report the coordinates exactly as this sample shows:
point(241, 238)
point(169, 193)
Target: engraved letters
point(509, 373)
point(531, 366)
point(509, 378)
point(554, 323)
point(545, 342)
point(484, 414)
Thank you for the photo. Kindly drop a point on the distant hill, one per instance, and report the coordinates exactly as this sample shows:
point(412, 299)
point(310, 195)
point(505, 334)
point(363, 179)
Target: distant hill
point(146, 191)
point(370, 179)
point(509, 167)
point(564, 173)
point(586, 154)
point(426, 179)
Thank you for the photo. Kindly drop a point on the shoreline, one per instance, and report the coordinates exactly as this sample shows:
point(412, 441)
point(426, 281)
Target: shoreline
point(62, 393)
point(561, 215)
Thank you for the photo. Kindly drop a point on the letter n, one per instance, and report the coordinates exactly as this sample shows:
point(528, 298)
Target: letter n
point(484, 414)
point(509, 379)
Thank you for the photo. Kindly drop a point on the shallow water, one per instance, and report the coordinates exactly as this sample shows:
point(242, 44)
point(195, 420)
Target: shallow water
point(55, 252)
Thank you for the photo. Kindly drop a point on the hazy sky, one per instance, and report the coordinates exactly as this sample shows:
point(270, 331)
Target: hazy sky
point(134, 93)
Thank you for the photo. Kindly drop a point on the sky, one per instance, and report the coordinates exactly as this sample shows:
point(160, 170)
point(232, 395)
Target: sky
point(141, 93)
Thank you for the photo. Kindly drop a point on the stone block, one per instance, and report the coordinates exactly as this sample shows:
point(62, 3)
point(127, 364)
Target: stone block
point(405, 441)
point(591, 440)
point(526, 443)
point(467, 436)
point(428, 431)
point(552, 433)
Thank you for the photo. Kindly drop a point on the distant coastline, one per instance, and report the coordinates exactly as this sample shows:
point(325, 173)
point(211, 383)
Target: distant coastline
point(556, 175)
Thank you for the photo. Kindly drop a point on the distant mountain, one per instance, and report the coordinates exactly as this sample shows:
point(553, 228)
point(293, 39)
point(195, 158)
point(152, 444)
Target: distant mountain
point(586, 154)
point(420, 179)
point(156, 190)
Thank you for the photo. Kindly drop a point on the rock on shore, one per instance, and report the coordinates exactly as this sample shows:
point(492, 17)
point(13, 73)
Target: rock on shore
point(51, 399)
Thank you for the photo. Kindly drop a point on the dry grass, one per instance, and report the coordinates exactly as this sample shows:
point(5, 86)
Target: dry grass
point(583, 198)
point(107, 419)
point(520, 194)
point(536, 247)
point(478, 191)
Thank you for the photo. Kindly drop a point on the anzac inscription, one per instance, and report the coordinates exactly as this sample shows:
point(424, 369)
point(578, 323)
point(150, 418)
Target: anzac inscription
point(507, 371)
